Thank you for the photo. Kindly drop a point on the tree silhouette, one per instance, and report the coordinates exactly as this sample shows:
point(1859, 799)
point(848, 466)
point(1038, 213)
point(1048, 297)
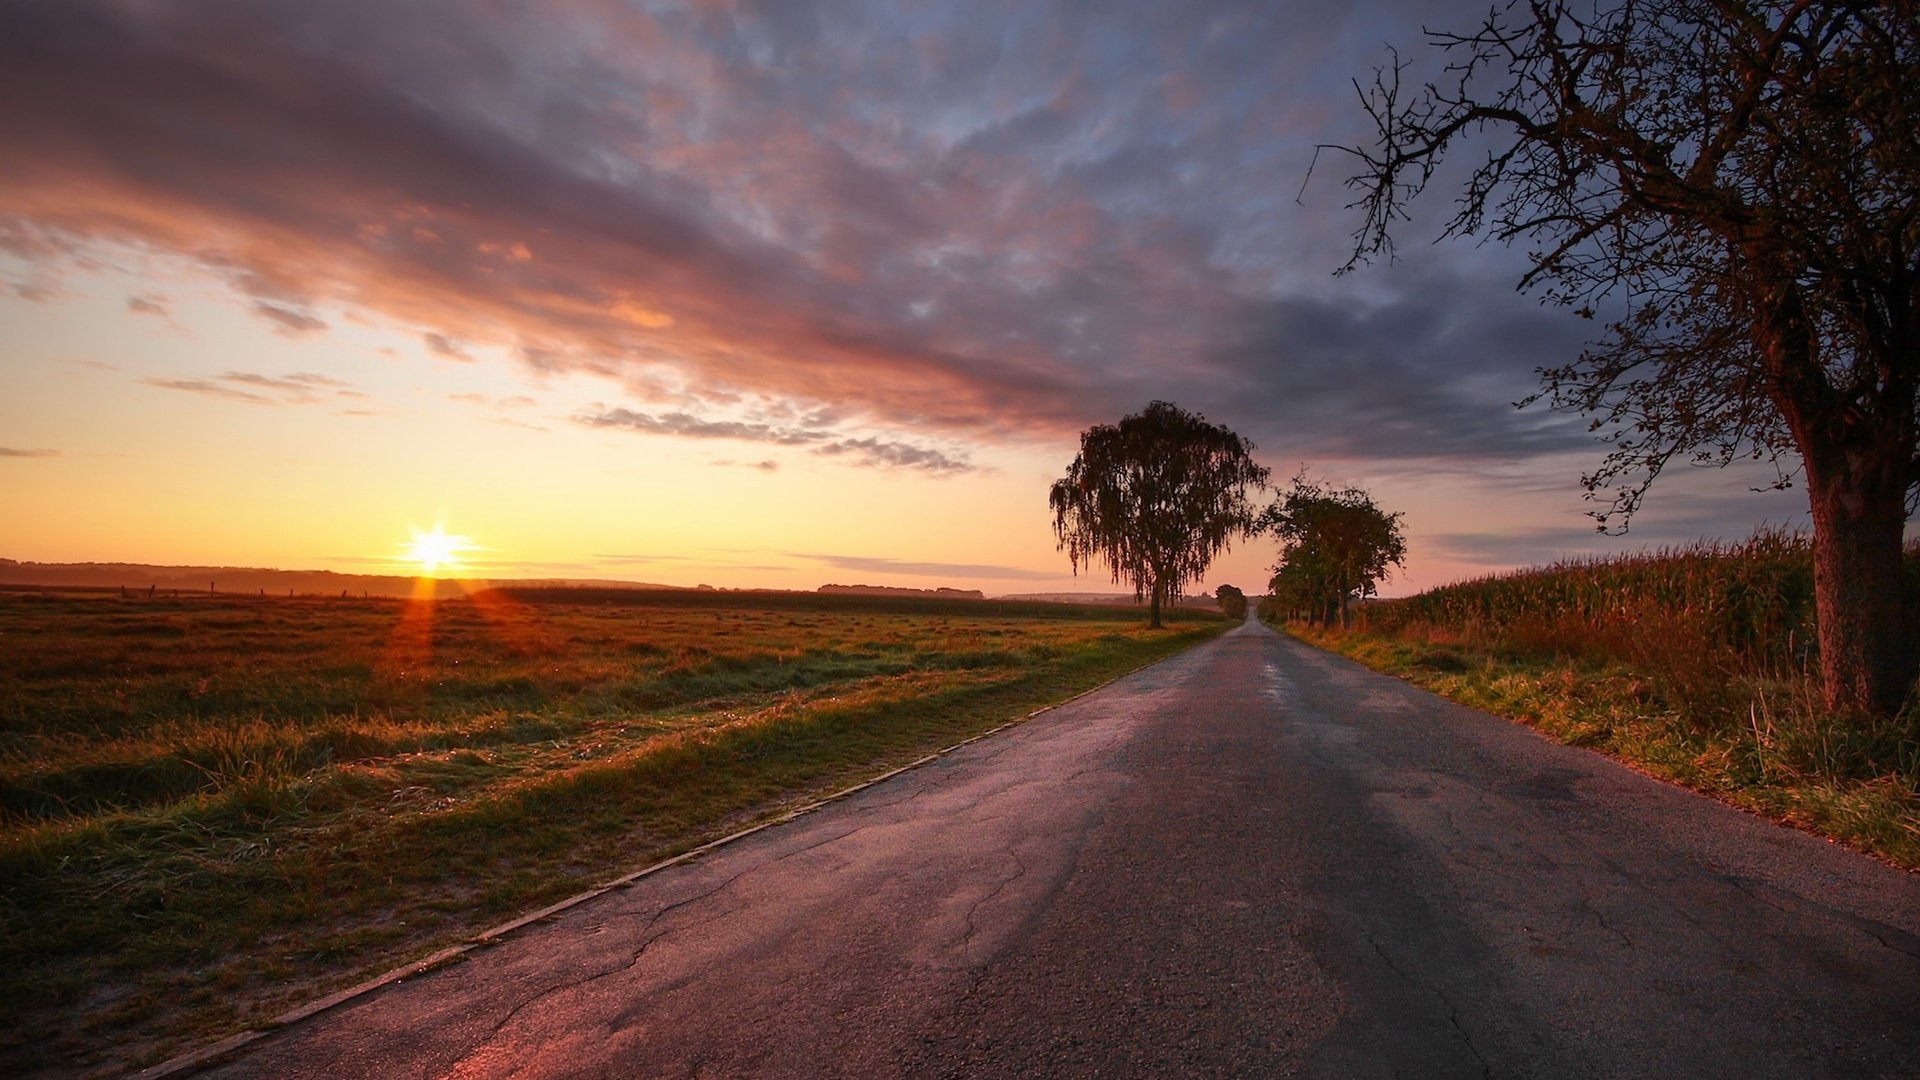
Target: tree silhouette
point(1336, 546)
point(1155, 497)
point(1233, 602)
point(1745, 174)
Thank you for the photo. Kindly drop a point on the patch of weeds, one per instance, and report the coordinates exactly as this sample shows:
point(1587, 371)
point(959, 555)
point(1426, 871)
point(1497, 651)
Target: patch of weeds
point(1443, 660)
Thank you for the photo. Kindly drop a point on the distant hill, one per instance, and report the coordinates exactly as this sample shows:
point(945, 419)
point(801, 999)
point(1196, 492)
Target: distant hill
point(894, 590)
point(244, 579)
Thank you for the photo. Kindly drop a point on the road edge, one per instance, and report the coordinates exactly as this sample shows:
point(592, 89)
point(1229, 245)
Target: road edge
point(1777, 818)
point(193, 1061)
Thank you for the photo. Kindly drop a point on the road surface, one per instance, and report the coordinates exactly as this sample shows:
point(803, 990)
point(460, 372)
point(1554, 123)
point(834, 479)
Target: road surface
point(1251, 859)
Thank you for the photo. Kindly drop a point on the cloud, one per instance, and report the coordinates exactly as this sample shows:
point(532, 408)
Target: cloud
point(706, 562)
point(902, 567)
point(687, 426)
point(210, 389)
point(981, 229)
point(298, 388)
point(877, 453)
point(766, 465)
point(1695, 505)
point(441, 345)
point(631, 558)
point(500, 406)
point(12, 452)
point(867, 451)
point(508, 421)
point(290, 321)
point(298, 383)
point(472, 398)
point(1539, 545)
point(147, 304)
point(1423, 375)
point(569, 569)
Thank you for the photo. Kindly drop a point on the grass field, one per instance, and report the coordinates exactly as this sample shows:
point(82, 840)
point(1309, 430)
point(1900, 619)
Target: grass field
point(214, 808)
point(1695, 664)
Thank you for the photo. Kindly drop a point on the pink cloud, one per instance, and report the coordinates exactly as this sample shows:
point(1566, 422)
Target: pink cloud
point(372, 201)
point(982, 231)
point(289, 320)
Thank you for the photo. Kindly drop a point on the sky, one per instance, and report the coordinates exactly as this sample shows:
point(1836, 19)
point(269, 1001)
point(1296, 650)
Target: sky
point(744, 294)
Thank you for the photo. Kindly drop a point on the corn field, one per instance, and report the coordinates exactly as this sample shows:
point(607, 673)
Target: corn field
point(1746, 604)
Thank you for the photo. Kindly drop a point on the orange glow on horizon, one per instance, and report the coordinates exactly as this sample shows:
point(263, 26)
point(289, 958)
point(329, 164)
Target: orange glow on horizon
point(437, 551)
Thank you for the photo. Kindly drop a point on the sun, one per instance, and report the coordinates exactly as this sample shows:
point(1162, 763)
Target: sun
point(437, 551)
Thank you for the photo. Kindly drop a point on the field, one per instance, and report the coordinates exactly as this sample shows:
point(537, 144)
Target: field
point(1696, 664)
point(217, 807)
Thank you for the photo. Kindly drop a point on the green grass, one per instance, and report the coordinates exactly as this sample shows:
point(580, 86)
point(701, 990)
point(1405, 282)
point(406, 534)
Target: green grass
point(1693, 664)
point(216, 807)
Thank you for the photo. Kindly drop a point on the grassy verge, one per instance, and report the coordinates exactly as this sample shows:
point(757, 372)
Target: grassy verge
point(1756, 740)
point(216, 808)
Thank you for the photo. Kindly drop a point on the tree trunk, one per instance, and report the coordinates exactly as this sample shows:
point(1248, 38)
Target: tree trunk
point(1858, 452)
point(1153, 607)
point(1859, 516)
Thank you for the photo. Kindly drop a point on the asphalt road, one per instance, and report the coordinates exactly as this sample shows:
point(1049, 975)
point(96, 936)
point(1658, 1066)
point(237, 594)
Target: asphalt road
point(1253, 859)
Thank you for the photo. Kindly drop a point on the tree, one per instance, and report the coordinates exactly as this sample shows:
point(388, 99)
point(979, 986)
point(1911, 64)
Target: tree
point(1743, 177)
point(1297, 590)
point(1336, 546)
point(1155, 497)
point(1233, 602)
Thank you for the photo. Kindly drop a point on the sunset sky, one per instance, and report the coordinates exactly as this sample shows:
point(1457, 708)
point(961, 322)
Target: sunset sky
point(745, 294)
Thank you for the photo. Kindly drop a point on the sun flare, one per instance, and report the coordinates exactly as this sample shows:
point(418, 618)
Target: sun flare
point(437, 552)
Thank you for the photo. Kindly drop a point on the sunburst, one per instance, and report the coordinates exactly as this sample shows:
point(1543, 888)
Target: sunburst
point(438, 553)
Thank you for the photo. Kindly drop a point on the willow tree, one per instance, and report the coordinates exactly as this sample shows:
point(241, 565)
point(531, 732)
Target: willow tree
point(1155, 497)
point(1742, 177)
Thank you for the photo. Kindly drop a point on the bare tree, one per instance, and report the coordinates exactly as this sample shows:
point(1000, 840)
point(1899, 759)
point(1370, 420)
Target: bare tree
point(1155, 497)
point(1743, 178)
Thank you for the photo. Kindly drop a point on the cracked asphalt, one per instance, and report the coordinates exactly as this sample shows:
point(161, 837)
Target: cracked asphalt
point(1251, 859)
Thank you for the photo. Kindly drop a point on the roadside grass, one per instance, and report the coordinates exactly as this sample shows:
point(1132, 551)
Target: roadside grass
point(214, 808)
point(1694, 665)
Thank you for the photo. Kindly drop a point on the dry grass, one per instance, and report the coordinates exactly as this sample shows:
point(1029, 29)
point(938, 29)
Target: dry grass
point(1695, 664)
point(214, 807)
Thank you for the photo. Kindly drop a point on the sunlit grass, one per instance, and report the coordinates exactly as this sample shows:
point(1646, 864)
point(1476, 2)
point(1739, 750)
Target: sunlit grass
point(1696, 664)
point(213, 807)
